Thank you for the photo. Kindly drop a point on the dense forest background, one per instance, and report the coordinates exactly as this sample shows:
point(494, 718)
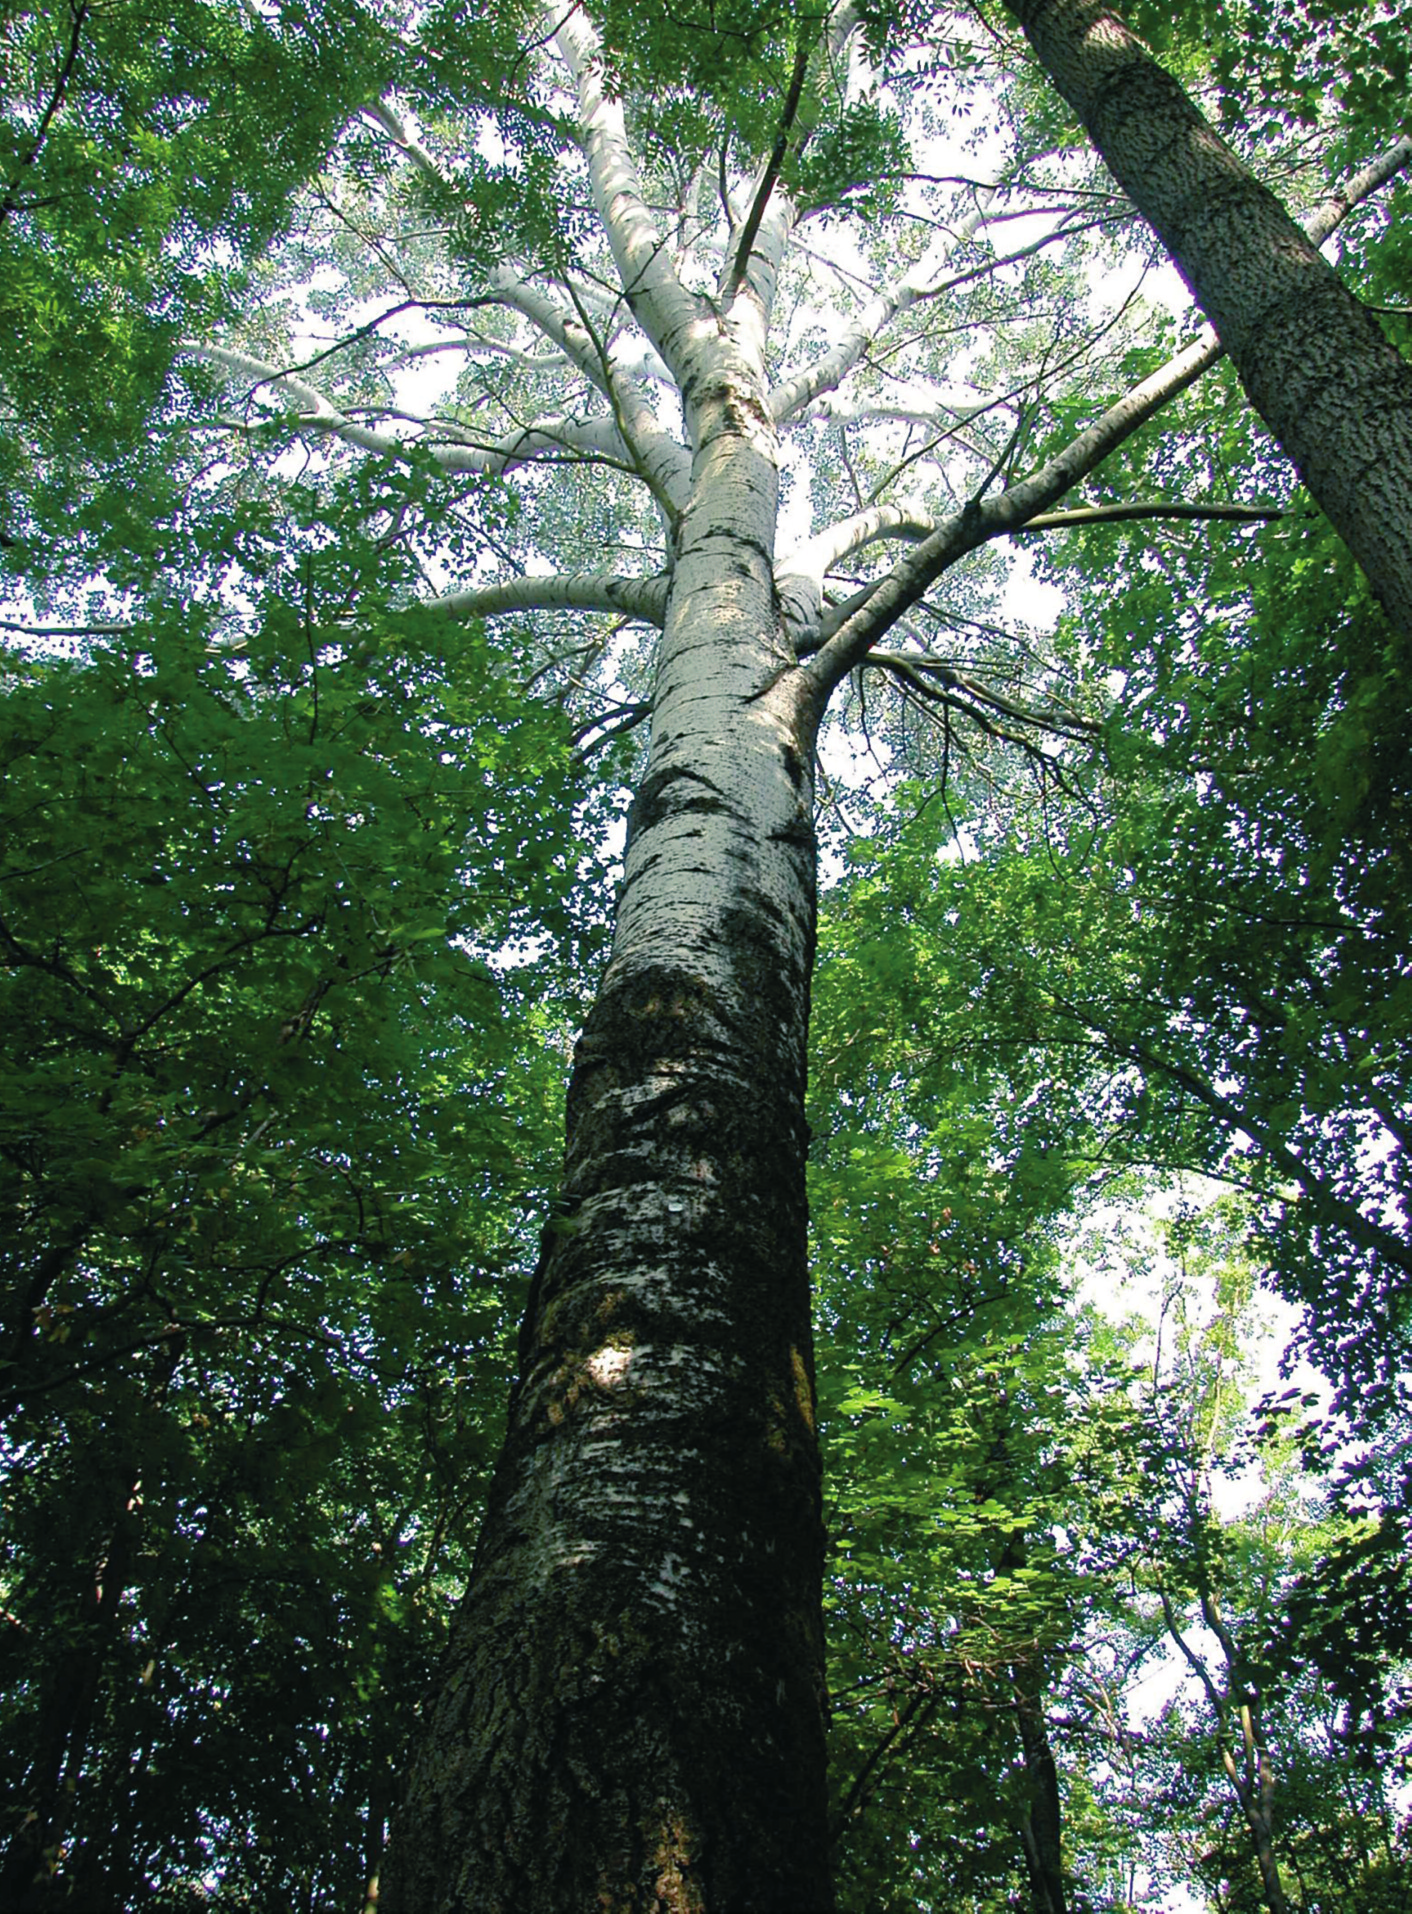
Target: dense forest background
point(311, 818)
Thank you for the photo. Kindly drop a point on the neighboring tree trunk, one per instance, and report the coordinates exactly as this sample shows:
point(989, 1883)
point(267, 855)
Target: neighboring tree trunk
point(33, 1875)
point(1041, 1831)
point(1256, 1794)
point(1314, 362)
point(381, 1796)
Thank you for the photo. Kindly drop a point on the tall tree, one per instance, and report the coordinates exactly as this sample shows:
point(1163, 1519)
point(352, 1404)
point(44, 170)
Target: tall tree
point(610, 234)
point(680, 1252)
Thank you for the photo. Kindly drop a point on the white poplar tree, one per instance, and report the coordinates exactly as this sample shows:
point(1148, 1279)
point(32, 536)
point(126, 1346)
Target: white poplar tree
point(770, 390)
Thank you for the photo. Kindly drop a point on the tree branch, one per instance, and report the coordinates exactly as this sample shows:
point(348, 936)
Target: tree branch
point(799, 577)
point(386, 116)
point(1327, 1204)
point(789, 399)
point(375, 325)
point(642, 599)
point(596, 437)
point(78, 14)
point(103, 630)
point(659, 302)
point(934, 679)
point(660, 460)
point(801, 391)
point(1148, 508)
point(562, 329)
point(734, 278)
point(1013, 509)
point(1193, 1660)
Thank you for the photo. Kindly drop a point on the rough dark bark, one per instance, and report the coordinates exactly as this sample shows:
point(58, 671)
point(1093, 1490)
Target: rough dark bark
point(30, 1878)
point(1043, 1826)
point(632, 1713)
point(1314, 362)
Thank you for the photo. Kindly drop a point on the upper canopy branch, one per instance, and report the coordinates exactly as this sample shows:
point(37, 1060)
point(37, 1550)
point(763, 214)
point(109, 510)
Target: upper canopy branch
point(870, 614)
point(921, 281)
point(384, 115)
point(661, 304)
point(807, 388)
point(734, 276)
point(315, 409)
point(829, 372)
point(563, 329)
point(799, 577)
point(594, 437)
point(662, 462)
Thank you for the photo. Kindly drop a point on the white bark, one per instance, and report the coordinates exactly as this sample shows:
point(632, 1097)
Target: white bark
point(852, 633)
point(660, 460)
point(543, 438)
point(922, 281)
point(643, 599)
point(662, 305)
point(799, 577)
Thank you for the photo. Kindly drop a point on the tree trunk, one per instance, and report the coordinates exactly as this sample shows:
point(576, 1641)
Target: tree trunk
point(1041, 1833)
point(1314, 362)
point(1256, 1793)
point(1042, 1826)
point(30, 1876)
point(631, 1715)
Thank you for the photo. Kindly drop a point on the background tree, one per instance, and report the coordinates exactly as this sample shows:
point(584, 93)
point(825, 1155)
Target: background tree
point(1334, 391)
point(263, 1129)
point(1281, 1789)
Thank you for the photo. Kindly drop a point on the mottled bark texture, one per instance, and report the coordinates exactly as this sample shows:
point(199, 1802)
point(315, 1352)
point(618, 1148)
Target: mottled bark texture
point(1314, 363)
point(632, 1717)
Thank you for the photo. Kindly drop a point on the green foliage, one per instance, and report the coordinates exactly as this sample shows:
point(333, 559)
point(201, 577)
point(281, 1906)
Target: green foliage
point(999, 1035)
point(1294, 60)
point(854, 163)
point(723, 51)
point(975, 1437)
point(146, 152)
point(1252, 884)
point(270, 1131)
point(1242, 1587)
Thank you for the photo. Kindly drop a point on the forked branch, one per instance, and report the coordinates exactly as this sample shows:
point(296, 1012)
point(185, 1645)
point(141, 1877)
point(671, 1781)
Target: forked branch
point(872, 615)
